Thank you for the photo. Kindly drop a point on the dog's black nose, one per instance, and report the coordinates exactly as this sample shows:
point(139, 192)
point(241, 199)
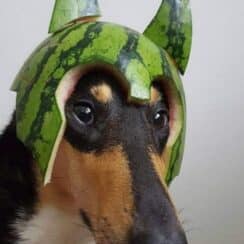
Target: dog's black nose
point(158, 238)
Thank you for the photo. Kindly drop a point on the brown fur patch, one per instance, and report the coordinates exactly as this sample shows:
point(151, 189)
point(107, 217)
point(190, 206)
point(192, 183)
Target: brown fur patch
point(100, 185)
point(156, 96)
point(102, 93)
point(159, 166)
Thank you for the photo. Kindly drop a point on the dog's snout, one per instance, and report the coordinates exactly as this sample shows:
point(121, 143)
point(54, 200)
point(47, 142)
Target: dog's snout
point(159, 238)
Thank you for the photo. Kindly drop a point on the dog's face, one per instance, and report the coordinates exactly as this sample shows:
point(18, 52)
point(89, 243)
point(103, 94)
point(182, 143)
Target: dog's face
point(115, 166)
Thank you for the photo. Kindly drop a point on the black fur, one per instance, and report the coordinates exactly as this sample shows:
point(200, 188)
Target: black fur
point(86, 220)
point(18, 185)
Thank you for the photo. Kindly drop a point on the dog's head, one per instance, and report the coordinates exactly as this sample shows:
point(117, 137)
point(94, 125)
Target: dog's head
point(112, 151)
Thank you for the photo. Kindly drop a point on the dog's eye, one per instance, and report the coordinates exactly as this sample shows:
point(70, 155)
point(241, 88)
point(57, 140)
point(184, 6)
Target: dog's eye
point(161, 119)
point(84, 111)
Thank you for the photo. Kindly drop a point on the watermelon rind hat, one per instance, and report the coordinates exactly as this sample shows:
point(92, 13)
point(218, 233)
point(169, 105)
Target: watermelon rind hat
point(77, 44)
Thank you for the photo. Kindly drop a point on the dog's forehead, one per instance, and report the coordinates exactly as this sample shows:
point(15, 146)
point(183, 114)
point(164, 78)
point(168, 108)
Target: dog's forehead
point(103, 92)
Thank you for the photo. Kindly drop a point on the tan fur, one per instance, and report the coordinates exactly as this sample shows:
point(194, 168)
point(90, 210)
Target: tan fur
point(159, 166)
point(155, 96)
point(102, 93)
point(57, 219)
point(100, 185)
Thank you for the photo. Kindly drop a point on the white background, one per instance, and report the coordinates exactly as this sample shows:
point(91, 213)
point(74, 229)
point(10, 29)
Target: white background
point(210, 187)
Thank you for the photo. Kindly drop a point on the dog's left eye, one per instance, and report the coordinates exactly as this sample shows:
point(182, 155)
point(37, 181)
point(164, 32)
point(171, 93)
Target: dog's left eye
point(84, 111)
point(161, 119)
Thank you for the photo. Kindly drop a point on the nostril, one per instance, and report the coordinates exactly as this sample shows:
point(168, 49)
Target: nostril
point(159, 238)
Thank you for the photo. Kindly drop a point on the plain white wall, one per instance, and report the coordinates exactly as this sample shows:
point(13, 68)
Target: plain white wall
point(210, 187)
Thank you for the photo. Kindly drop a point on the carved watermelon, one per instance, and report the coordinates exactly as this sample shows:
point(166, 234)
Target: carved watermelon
point(50, 73)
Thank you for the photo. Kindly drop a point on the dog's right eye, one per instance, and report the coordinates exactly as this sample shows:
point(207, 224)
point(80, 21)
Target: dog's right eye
point(84, 112)
point(161, 118)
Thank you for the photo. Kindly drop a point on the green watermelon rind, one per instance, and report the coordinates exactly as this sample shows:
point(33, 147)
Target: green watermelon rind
point(67, 11)
point(40, 123)
point(171, 29)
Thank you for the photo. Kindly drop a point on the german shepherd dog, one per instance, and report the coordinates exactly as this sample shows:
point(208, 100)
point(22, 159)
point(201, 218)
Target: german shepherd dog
point(107, 185)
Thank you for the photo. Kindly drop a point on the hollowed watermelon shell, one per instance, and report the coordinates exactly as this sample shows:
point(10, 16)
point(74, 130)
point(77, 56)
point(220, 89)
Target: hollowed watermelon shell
point(48, 76)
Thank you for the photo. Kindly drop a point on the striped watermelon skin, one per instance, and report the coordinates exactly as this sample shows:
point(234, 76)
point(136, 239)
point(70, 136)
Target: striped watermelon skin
point(66, 11)
point(133, 55)
point(171, 29)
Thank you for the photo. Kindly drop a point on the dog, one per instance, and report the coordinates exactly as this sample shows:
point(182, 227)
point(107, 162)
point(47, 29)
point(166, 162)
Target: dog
point(108, 183)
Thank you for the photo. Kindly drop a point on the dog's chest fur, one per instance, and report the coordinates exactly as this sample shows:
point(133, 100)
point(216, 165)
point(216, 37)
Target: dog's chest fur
point(54, 226)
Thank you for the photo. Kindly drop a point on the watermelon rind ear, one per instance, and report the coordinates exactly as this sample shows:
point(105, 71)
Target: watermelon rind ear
point(67, 11)
point(171, 29)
